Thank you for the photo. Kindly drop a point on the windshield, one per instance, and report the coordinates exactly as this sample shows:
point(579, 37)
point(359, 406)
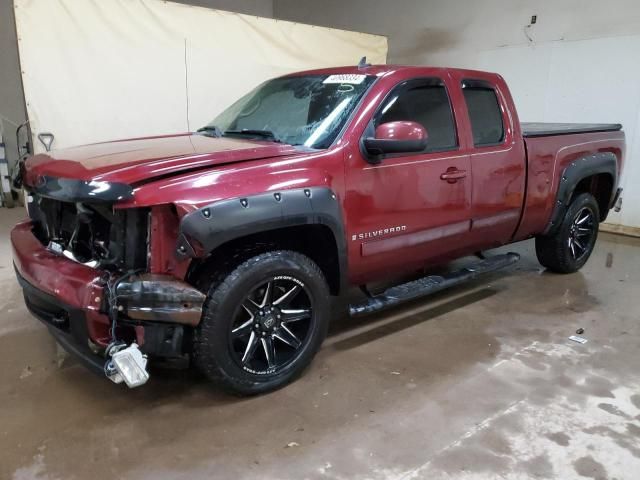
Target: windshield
point(305, 110)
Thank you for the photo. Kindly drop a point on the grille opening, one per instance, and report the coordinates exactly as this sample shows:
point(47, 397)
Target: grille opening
point(92, 233)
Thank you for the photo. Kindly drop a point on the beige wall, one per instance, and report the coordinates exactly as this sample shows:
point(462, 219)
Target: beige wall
point(196, 60)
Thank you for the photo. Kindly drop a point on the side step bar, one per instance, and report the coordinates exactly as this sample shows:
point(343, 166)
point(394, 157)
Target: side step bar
point(431, 284)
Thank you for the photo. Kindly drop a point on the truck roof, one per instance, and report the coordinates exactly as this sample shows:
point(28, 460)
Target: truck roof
point(380, 70)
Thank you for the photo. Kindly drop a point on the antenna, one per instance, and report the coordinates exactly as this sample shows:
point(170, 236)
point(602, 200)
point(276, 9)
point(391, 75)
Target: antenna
point(363, 63)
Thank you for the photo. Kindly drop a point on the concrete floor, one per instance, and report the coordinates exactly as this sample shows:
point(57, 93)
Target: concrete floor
point(478, 382)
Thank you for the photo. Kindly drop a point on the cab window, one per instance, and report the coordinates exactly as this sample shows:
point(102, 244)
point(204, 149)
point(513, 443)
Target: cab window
point(484, 112)
point(424, 101)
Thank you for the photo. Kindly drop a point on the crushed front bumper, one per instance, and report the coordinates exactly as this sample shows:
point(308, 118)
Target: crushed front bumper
point(57, 290)
point(68, 325)
point(158, 312)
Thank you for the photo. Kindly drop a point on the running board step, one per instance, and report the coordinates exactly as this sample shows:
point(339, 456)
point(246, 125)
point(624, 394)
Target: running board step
point(431, 284)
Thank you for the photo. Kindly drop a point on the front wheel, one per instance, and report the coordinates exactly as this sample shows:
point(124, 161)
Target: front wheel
point(263, 323)
point(569, 248)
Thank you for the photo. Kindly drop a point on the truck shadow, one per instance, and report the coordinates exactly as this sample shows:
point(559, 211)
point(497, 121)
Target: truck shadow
point(401, 318)
point(406, 315)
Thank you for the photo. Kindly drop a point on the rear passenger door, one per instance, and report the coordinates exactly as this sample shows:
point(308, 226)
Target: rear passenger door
point(498, 160)
point(412, 206)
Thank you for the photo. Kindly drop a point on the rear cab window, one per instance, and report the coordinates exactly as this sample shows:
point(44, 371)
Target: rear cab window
point(485, 113)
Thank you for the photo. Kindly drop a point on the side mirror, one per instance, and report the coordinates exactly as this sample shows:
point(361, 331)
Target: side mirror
point(397, 137)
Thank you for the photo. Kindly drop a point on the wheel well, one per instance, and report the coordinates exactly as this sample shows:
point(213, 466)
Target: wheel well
point(315, 241)
point(601, 187)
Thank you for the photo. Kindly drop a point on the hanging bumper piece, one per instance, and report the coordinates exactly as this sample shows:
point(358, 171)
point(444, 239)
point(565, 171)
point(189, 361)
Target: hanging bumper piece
point(160, 298)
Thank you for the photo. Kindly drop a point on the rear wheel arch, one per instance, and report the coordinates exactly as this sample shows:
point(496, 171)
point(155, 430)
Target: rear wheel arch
point(595, 174)
point(600, 186)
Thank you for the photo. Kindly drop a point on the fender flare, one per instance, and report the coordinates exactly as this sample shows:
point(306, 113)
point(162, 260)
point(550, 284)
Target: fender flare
point(220, 222)
point(577, 170)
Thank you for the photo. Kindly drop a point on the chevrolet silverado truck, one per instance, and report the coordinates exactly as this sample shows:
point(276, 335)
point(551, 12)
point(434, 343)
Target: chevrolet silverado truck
point(224, 246)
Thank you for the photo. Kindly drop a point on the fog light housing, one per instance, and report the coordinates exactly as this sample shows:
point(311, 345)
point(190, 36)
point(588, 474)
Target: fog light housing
point(128, 365)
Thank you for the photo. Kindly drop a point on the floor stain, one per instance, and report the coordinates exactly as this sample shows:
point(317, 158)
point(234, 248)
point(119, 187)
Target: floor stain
point(588, 467)
point(612, 409)
point(560, 438)
point(633, 429)
point(599, 387)
point(473, 459)
point(538, 467)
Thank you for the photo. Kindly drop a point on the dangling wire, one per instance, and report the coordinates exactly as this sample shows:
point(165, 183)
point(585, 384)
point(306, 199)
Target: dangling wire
point(112, 283)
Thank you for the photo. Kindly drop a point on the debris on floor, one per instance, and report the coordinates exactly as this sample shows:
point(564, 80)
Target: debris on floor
point(578, 339)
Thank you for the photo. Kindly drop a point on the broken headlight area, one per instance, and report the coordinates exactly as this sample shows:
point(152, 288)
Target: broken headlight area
point(95, 235)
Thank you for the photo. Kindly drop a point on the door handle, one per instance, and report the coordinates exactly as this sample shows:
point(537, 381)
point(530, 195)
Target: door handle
point(452, 175)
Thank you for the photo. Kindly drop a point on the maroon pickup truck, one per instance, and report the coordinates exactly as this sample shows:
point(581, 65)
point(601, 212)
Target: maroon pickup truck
point(224, 246)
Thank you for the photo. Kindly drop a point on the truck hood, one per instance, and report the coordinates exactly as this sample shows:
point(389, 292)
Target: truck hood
point(143, 159)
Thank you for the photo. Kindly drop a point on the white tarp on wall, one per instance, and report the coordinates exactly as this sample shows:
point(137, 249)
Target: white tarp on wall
point(96, 70)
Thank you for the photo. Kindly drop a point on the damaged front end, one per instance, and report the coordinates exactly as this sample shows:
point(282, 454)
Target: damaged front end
point(159, 308)
point(145, 309)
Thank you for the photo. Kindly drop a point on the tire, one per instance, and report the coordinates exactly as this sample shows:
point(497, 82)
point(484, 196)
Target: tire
point(569, 248)
point(246, 340)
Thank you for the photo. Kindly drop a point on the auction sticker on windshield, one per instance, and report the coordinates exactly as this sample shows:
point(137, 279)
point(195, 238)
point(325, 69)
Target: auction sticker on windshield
point(352, 78)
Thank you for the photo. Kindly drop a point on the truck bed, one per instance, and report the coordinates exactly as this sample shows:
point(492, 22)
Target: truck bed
point(548, 129)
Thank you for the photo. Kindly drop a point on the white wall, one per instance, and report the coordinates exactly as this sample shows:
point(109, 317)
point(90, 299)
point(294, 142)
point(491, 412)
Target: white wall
point(579, 63)
point(419, 28)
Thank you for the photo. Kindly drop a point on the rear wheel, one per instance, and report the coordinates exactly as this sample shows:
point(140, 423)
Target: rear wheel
point(569, 248)
point(263, 323)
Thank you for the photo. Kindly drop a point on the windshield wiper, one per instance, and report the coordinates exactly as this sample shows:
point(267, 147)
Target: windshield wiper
point(211, 129)
point(267, 134)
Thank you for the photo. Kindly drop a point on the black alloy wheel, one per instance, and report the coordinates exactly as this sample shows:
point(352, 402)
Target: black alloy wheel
point(569, 247)
point(262, 322)
point(581, 233)
point(271, 325)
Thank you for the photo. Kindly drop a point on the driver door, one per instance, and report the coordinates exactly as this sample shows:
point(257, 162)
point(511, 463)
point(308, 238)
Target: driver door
point(410, 208)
